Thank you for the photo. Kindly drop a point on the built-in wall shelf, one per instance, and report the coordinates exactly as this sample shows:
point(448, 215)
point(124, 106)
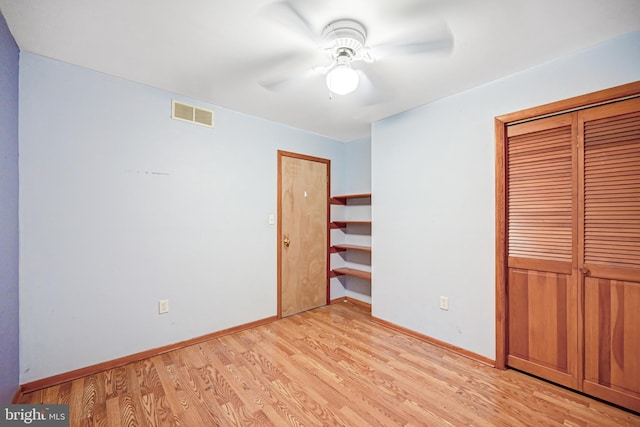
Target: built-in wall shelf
point(346, 271)
point(343, 247)
point(342, 200)
point(344, 224)
point(353, 235)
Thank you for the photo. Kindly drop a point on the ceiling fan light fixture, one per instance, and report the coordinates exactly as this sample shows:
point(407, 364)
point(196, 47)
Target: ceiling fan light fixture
point(345, 39)
point(342, 79)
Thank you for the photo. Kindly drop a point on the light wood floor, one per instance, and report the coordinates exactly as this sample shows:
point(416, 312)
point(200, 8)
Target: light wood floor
point(329, 366)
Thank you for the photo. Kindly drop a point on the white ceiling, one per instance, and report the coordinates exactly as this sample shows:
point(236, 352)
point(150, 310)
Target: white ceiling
point(218, 50)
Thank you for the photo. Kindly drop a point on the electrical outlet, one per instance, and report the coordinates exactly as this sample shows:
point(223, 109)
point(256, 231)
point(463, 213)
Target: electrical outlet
point(444, 303)
point(163, 306)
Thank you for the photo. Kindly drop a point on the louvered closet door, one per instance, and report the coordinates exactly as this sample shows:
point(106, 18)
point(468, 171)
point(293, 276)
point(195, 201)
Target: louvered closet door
point(611, 251)
point(541, 240)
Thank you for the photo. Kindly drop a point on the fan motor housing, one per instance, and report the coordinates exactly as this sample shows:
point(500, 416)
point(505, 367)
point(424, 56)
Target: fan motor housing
point(345, 34)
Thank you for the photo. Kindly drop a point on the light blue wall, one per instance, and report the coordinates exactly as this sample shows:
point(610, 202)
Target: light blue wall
point(121, 206)
point(9, 367)
point(433, 181)
point(358, 166)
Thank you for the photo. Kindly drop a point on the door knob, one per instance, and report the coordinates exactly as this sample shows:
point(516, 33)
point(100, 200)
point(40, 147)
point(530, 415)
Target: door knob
point(584, 271)
point(286, 241)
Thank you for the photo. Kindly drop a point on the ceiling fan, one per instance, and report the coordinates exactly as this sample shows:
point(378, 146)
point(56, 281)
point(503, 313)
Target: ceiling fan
point(344, 42)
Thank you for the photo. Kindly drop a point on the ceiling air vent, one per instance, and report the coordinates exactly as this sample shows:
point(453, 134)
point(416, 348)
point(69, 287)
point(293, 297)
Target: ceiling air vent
point(191, 113)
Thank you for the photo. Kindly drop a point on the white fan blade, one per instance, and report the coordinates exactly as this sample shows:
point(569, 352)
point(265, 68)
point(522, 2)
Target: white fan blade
point(285, 13)
point(281, 82)
point(290, 68)
point(438, 41)
point(416, 8)
point(370, 93)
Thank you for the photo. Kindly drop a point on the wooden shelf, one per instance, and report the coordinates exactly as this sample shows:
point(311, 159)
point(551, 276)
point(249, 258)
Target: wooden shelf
point(346, 271)
point(343, 224)
point(342, 200)
point(343, 247)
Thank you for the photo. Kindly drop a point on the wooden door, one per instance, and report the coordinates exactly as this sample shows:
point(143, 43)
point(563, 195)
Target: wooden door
point(541, 290)
point(610, 250)
point(303, 232)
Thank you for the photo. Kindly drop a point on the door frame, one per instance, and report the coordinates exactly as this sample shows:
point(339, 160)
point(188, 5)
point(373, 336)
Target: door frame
point(282, 154)
point(501, 122)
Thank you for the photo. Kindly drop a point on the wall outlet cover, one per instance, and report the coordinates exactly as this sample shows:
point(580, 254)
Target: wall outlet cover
point(163, 306)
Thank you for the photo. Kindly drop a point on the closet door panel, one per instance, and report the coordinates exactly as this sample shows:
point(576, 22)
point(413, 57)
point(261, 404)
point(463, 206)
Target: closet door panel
point(610, 251)
point(612, 347)
point(541, 228)
point(540, 320)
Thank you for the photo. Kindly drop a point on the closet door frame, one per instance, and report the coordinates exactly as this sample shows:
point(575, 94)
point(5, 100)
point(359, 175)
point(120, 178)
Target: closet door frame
point(501, 123)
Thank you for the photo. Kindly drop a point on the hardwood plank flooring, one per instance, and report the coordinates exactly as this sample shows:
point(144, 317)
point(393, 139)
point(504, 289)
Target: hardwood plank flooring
point(328, 366)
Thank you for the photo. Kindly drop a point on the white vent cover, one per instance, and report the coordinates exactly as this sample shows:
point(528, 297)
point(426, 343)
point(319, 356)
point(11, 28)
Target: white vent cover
point(191, 113)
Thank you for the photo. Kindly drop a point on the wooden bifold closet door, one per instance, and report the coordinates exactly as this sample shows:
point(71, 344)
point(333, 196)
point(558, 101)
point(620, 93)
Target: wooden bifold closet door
point(573, 250)
point(610, 250)
point(542, 223)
